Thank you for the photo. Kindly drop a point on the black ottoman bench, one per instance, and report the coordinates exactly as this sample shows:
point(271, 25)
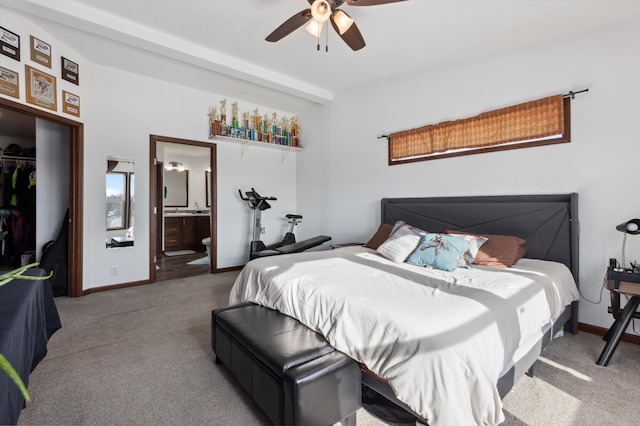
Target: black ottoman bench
point(290, 371)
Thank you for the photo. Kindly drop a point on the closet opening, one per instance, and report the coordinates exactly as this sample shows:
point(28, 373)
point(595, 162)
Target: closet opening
point(55, 158)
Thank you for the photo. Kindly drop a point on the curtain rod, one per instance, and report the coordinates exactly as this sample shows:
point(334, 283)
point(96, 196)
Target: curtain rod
point(571, 95)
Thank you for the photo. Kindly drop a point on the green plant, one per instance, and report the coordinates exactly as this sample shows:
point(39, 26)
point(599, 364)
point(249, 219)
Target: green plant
point(13, 374)
point(5, 365)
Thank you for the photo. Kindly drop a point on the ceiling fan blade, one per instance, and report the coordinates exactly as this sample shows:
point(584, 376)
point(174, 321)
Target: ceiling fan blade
point(290, 25)
point(352, 36)
point(370, 2)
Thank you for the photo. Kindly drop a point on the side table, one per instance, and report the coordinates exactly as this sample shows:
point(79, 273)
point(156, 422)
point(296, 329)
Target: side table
point(620, 282)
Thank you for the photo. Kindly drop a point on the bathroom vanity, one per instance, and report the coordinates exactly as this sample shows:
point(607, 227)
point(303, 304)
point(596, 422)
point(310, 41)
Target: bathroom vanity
point(185, 230)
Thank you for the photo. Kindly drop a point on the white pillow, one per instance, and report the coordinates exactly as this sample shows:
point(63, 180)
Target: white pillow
point(396, 226)
point(400, 245)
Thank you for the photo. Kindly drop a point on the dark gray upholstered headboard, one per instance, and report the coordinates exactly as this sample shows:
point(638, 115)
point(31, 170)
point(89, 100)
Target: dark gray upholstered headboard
point(548, 223)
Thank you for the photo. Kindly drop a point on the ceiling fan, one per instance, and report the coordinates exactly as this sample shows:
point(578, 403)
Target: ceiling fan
point(320, 12)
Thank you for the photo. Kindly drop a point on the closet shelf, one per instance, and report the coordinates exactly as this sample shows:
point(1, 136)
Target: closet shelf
point(16, 158)
point(245, 143)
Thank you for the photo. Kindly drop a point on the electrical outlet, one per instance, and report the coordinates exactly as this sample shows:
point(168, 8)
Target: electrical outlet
point(114, 270)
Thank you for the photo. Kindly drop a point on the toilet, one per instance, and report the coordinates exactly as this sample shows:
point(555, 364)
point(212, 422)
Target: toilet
point(207, 243)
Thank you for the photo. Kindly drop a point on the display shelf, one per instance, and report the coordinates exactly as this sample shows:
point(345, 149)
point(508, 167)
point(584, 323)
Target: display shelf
point(246, 143)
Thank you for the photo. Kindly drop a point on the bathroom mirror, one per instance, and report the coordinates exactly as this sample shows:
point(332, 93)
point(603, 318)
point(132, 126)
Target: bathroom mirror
point(207, 179)
point(120, 197)
point(176, 188)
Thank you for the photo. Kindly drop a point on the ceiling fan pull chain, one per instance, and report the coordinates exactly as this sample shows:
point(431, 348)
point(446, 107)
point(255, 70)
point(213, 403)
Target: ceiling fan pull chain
point(326, 41)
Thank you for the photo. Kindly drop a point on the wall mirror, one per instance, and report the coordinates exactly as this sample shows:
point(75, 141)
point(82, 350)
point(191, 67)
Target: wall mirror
point(120, 196)
point(207, 179)
point(176, 188)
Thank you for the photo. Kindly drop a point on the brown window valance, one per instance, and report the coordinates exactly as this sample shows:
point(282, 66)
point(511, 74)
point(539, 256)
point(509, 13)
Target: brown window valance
point(541, 122)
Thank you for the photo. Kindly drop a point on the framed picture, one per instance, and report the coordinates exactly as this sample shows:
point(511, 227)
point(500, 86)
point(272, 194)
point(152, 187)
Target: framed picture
point(40, 52)
point(9, 44)
point(9, 82)
point(70, 103)
point(41, 88)
point(70, 71)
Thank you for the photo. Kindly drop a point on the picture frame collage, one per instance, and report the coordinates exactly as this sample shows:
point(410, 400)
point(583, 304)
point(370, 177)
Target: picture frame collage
point(41, 88)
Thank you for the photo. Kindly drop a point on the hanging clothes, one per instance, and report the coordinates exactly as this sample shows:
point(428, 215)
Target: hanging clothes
point(7, 187)
point(7, 242)
point(4, 231)
point(20, 184)
point(14, 180)
point(18, 219)
point(2, 183)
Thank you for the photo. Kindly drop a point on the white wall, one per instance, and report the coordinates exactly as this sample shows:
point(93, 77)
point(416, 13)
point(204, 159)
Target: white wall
point(312, 192)
point(600, 163)
point(120, 110)
point(24, 27)
point(52, 141)
point(127, 109)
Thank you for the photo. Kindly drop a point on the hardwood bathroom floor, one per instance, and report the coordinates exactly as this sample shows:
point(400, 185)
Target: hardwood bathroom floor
point(172, 267)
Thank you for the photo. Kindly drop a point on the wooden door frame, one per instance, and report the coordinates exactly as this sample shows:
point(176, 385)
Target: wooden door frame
point(76, 189)
point(158, 195)
point(154, 208)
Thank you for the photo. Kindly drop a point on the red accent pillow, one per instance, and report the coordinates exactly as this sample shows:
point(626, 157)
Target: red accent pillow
point(380, 236)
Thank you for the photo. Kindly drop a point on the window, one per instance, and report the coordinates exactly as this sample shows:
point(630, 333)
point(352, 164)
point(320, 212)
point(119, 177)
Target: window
point(541, 122)
point(132, 198)
point(120, 200)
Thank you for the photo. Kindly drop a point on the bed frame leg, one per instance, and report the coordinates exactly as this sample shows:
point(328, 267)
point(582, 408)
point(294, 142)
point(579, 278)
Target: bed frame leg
point(573, 322)
point(530, 371)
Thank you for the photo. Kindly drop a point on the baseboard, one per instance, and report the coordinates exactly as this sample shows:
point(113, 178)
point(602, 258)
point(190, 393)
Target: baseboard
point(144, 282)
point(115, 287)
point(229, 269)
point(601, 331)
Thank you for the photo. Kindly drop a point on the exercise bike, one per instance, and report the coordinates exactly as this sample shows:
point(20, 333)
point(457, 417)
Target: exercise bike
point(288, 244)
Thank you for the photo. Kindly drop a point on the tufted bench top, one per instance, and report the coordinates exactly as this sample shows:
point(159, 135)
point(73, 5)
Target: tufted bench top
point(276, 340)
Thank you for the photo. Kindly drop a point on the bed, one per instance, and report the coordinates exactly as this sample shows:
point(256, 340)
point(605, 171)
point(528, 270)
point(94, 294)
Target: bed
point(446, 346)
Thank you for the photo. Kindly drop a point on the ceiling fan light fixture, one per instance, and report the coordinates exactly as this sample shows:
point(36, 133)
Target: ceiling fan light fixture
point(321, 10)
point(342, 21)
point(314, 28)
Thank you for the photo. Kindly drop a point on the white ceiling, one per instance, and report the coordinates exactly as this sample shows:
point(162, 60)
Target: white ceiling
point(227, 36)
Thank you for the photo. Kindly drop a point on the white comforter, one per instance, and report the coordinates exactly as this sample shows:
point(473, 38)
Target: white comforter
point(441, 339)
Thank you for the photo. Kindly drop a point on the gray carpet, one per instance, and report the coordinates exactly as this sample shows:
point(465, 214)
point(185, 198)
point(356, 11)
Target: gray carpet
point(142, 355)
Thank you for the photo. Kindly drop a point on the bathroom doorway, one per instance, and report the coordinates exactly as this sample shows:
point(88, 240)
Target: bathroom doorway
point(183, 208)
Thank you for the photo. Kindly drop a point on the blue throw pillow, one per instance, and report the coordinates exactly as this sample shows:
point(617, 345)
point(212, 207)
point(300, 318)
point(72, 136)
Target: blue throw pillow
point(439, 251)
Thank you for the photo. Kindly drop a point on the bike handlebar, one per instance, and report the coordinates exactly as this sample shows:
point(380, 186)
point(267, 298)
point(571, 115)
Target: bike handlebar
point(257, 196)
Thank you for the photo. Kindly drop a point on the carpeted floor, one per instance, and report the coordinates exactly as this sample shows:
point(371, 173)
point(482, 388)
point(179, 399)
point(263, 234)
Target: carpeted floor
point(142, 355)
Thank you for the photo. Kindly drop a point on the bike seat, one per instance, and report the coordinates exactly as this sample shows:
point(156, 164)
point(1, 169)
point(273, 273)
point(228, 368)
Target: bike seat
point(293, 216)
